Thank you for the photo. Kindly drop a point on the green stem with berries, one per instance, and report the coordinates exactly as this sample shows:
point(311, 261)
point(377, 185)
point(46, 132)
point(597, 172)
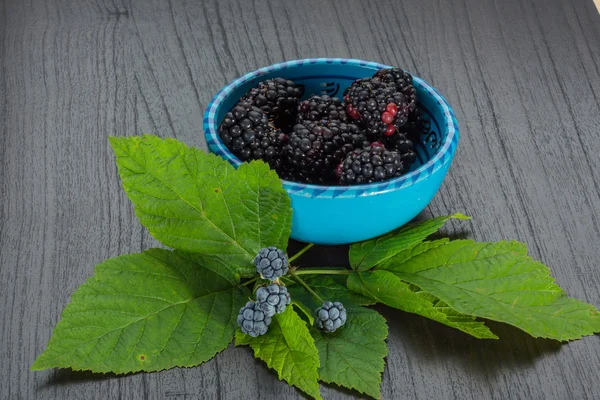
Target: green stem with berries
point(331, 271)
point(300, 281)
point(250, 281)
point(302, 251)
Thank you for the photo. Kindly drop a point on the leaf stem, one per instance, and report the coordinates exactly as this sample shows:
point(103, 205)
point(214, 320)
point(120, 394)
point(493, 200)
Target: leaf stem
point(250, 281)
point(300, 281)
point(302, 251)
point(331, 271)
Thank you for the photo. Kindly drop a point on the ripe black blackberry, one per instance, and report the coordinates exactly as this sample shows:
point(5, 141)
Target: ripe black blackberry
point(291, 174)
point(403, 82)
point(278, 98)
point(399, 142)
point(347, 137)
point(416, 126)
point(378, 105)
point(314, 149)
point(247, 132)
point(273, 154)
point(369, 165)
point(322, 107)
point(305, 149)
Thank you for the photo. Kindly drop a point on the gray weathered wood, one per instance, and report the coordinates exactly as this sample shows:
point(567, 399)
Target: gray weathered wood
point(522, 75)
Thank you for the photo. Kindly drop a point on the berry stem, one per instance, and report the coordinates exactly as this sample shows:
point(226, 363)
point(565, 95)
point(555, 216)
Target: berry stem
point(331, 271)
point(302, 251)
point(300, 281)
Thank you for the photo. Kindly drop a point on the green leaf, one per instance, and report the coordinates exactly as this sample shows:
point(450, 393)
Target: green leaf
point(498, 281)
point(197, 202)
point(289, 349)
point(412, 252)
point(310, 318)
point(328, 287)
point(386, 288)
point(365, 255)
point(146, 312)
point(353, 356)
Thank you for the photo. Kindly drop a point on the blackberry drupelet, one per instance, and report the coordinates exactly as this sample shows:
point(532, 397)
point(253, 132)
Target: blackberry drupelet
point(278, 98)
point(253, 321)
point(272, 299)
point(403, 82)
point(369, 165)
point(378, 105)
point(330, 316)
point(271, 263)
point(246, 131)
point(322, 107)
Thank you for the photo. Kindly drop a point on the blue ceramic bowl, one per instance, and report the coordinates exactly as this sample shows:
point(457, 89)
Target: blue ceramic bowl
point(347, 214)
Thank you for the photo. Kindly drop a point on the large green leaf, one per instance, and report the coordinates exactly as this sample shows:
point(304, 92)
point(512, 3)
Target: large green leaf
point(412, 252)
point(367, 254)
point(197, 202)
point(386, 288)
point(498, 281)
point(353, 356)
point(146, 312)
point(289, 349)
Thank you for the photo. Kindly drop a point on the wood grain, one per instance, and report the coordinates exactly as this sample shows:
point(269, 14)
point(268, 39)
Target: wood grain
point(522, 75)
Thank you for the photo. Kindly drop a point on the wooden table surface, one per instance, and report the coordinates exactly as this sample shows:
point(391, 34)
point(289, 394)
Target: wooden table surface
point(522, 75)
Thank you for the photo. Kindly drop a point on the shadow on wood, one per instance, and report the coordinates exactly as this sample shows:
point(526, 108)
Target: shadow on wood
point(320, 256)
point(68, 377)
point(431, 340)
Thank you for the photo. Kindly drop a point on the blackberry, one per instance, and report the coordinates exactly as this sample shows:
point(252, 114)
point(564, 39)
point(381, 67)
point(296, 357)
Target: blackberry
point(272, 299)
point(246, 131)
point(322, 107)
point(378, 105)
point(314, 149)
point(274, 153)
point(253, 321)
point(404, 146)
point(369, 165)
point(304, 150)
point(347, 137)
point(330, 316)
point(416, 126)
point(403, 82)
point(278, 98)
point(290, 174)
point(271, 263)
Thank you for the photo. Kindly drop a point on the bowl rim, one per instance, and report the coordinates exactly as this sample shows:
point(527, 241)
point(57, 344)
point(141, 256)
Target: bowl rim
point(443, 156)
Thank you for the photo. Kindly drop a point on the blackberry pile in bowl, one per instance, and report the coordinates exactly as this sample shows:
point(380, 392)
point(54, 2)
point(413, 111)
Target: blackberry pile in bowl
point(363, 137)
point(361, 147)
